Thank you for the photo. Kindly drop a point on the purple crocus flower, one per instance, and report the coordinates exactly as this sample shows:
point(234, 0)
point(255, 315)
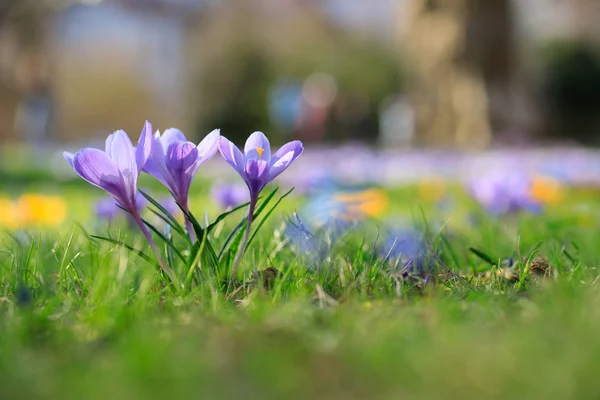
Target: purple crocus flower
point(257, 168)
point(174, 161)
point(116, 171)
point(229, 195)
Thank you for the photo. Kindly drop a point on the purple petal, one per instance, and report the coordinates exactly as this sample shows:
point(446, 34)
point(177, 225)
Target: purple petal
point(97, 168)
point(171, 136)
point(209, 145)
point(144, 147)
point(257, 175)
point(180, 160)
point(108, 144)
point(69, 157)
point(232, 155)
point(155, 165)
point(284, 157)
point(181, 156)
point(257, 141)
point(123, 154)
point(206, 150)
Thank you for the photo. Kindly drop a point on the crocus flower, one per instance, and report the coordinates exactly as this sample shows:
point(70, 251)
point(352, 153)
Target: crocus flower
point(116, 171)
point(174, 162)
point(229, 195)
point(257, 168)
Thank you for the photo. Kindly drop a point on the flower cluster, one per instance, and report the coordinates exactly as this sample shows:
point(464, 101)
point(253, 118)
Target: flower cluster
point(174, 162)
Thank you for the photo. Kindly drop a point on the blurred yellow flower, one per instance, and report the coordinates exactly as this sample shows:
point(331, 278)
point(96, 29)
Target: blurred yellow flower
point(546, 190)
point(32, 210)
point(370, 202)
point(35, 209)
point(8, 213)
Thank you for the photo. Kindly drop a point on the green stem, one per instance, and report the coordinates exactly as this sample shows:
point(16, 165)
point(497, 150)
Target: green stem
point(188, 224)
point(242, 248)
point(146, 232)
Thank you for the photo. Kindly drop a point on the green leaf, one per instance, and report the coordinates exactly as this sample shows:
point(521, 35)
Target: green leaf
point(167, 221)
point(239, 228)
point(223, 216)
point(450, 250)
point(168, 242)
point(195, 225)
point(238, 231)
point(166, 216)
point(195, 256)
point(483, 256)
point(262, 206)
point(264, 219)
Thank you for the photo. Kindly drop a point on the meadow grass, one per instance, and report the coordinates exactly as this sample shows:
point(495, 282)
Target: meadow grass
point(86, 319)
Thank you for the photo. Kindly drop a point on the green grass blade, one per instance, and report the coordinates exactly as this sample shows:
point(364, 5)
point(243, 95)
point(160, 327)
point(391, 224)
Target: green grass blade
point(221, 217)
point(483, 256)
point(137, 252)
point(166, 216)
point(168, 242)
point(267, 215)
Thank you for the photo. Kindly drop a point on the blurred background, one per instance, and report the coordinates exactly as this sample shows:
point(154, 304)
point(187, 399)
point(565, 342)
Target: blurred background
point(456, 74)
point(500, 97)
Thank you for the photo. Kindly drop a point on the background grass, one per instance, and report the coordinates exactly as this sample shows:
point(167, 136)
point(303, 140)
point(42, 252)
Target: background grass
point(84, 319)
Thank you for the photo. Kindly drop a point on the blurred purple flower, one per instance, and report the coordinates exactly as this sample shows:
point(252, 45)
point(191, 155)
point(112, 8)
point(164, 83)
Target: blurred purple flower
point(504, 192)
point(304, 242)
point(229, 195)
point(106, 208)
point(257, 168)
point(170, 205)
point(407, 248)
point(314, 244)
point(174, 162)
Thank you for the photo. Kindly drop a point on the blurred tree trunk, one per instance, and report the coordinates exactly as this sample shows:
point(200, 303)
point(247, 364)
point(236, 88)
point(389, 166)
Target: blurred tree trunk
point(23, 67)
point(461, 56)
